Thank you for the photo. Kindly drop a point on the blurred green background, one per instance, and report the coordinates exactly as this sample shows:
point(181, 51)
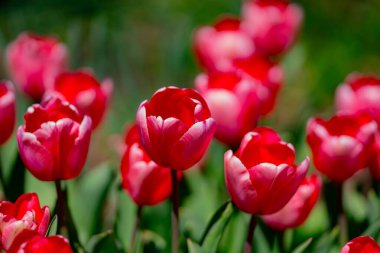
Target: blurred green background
point(144, 45)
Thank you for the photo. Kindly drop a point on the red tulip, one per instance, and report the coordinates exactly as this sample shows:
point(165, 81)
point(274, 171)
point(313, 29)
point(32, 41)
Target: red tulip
point(34, 61)
point(297, 210)
point(261, 176)
point(25, 214)
point(361, 244)
point(218, 46)
point(341, 145)
point(272, 24)
point(175, 127)
point(83, 91)
point(31, 242)
point(54, 140)
point(7, 111)
point(360, 93)
point(247, 93)
point(146, 182)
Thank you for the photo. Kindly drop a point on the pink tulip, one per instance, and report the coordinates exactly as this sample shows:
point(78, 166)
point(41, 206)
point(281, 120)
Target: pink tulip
point(272, 24)
point(359, 93)
point(297, 210)
point(25, 214)
point(146, 182)
point(175, 127)
point(54, 141)
point(246, 93)
point(261, 176)
point(341, 146)
point(83, 91)
point(7, 111)
point(32, 242)
point(34, 61)
point(361, 244)
point(218, 46)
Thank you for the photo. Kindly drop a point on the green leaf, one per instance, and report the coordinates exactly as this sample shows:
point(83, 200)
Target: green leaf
point(373, 230)
point(260, 243)
point(212, 240)
point(87, 196)
point(301, 248)
point(53, 226)
point(96, 241)
point(216, 216)
point(325, 243)
point(194, 247)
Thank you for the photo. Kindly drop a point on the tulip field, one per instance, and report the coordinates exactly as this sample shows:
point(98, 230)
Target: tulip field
point(215, 126)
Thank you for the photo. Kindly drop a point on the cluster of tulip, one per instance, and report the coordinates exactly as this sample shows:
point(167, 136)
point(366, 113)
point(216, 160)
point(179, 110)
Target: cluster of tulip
point(54, 141)
point(241, 80)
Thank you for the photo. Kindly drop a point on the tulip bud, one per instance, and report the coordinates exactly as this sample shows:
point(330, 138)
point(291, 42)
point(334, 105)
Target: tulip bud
point(272, 24)
point(54, 141)
point(247, 93)
point(261, 176)
point(218, 46)
point(175, 127)
point(7, 111)
point(146, 182)
point(34, 61)
point(31, 242)
point(25, 214)
point(361, 244)
point(341, 145)
point(297, 210)
point(83, 91)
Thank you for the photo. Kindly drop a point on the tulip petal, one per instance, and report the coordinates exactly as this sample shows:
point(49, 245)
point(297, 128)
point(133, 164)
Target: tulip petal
point(192, 145)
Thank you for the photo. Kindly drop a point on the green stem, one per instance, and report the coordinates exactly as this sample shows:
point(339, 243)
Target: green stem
point(175, 212)
point(251, 231)
point(2, 180)
point(342, 220)
point(136, 229)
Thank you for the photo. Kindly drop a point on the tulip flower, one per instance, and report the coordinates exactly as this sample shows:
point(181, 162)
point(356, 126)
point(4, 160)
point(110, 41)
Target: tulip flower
point(272, 24)
point(247, 93)
point(54, 141)
point(361, 244)
point(25, 214)
point(83, 91)
point(359, 93)
point(31, 242)
point(175, 127)
point(7, 111)
point(146, 182)
point(218, 47)
point(261, 176)
point(34, 61)
point(297, 210)
point(341, 145)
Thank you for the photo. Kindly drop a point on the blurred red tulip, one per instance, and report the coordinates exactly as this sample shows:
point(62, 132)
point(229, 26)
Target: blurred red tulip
point(54, 141)
point(341, 145)
point(176, 127)
point(7, 111)
point(31, 242)
point(218, 46)
point(247, 92)
point(261, 176)
point(25, 214)
point(34, 61)
point(361, 244)
point(272, 24)
point(359, 93)
point(83, 91)
point(297, 210)
point(146, 182)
